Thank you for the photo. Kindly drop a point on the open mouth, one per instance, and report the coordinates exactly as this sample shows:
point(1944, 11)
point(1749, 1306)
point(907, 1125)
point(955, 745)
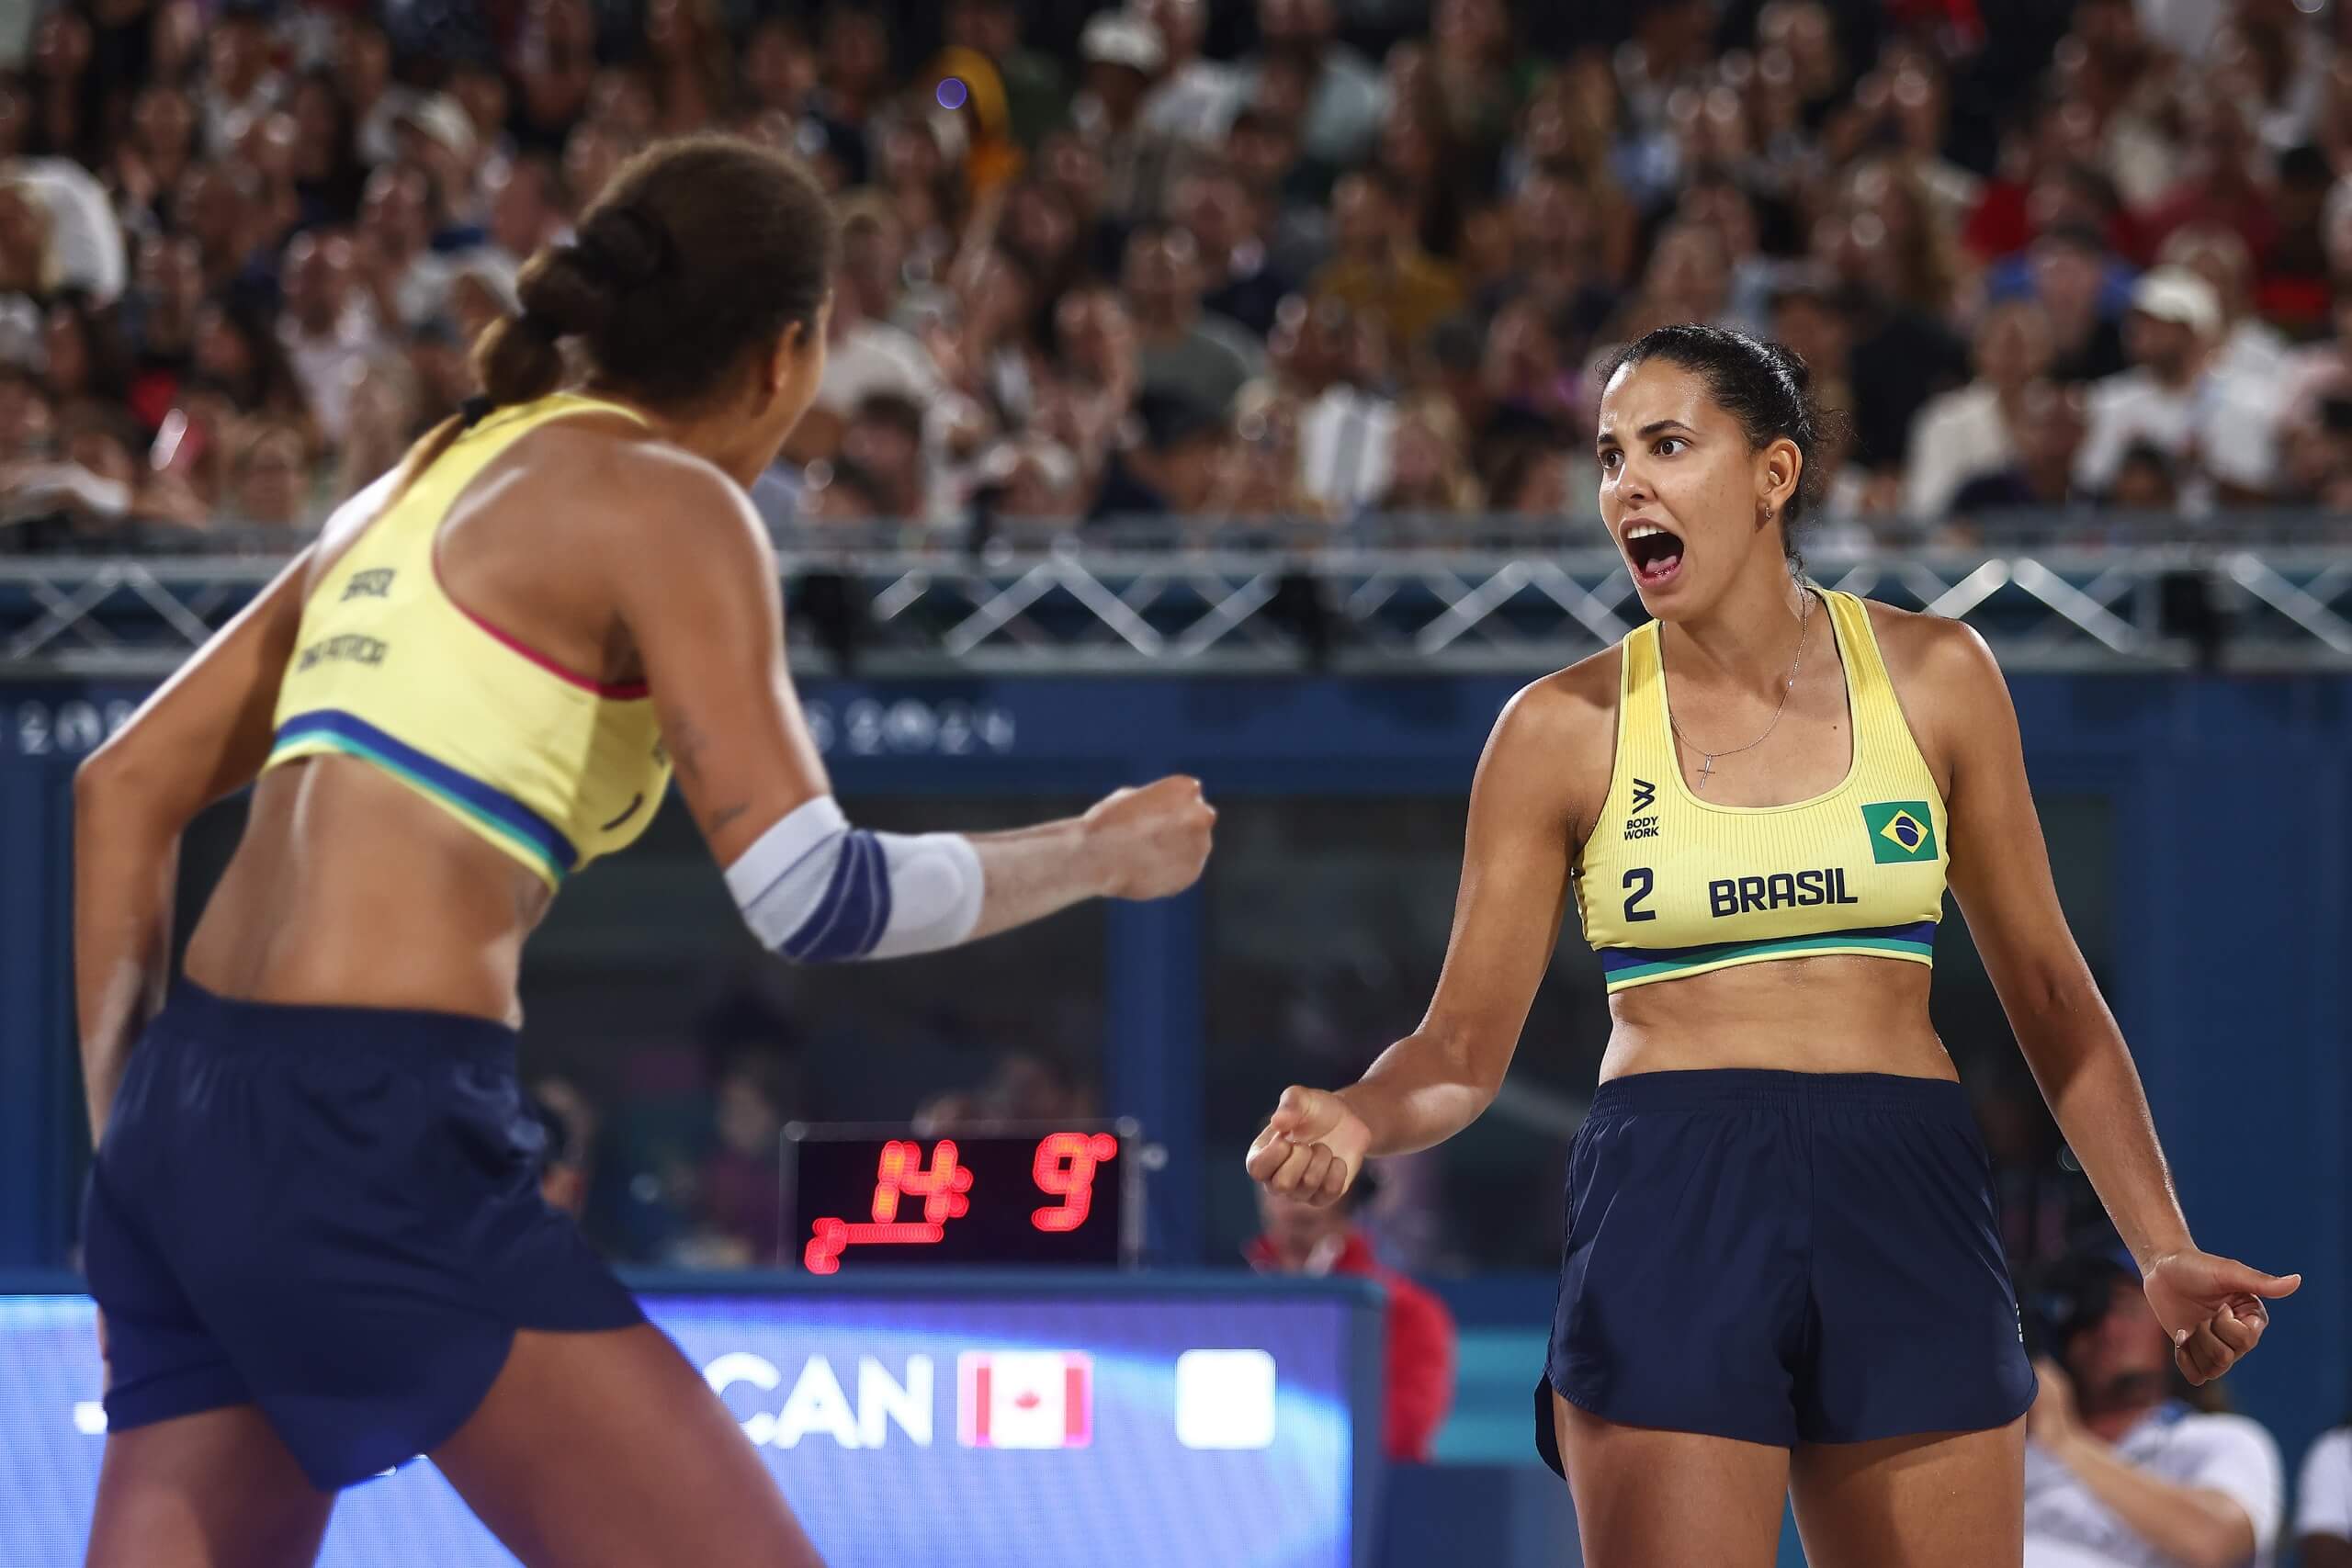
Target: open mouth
point(1655, 553)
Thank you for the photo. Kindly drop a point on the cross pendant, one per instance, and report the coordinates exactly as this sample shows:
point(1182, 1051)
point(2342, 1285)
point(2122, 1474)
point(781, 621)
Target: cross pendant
point(1706, 768)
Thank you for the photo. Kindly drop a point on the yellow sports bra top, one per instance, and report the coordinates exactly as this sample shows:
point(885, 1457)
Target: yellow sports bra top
point(551, 766)
point(1670, 885)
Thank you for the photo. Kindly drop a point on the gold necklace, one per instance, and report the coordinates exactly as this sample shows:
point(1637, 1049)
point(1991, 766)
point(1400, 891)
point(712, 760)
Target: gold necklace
point(1707, 757)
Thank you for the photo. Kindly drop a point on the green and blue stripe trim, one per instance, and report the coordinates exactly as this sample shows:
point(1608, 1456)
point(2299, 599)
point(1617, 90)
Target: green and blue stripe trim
point(540, 841)
point(1623, 965)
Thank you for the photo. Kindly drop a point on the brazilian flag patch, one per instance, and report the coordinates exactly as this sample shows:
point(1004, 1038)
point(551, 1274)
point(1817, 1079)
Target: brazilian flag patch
point(1900, 830)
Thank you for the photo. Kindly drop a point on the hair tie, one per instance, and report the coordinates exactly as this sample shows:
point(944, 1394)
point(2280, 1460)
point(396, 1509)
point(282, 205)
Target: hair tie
point(533, 324)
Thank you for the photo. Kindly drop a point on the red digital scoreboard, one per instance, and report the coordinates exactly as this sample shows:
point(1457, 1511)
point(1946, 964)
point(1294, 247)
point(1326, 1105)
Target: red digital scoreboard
point(859, 1196)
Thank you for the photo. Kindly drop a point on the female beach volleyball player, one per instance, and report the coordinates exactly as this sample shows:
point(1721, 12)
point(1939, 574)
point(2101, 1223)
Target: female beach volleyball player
point(1782, 1274)
point(313, 1227)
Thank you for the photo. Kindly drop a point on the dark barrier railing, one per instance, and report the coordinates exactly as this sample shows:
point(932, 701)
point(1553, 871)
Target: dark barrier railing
point(1391, 595)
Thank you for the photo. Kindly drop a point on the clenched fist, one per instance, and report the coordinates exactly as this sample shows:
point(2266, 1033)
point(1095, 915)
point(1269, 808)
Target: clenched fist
point(1153, 841)
point(2213, 1308)
point(1311, 1148)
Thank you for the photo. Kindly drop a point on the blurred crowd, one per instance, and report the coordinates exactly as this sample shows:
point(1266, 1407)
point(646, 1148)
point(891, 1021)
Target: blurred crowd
point(1305, 259)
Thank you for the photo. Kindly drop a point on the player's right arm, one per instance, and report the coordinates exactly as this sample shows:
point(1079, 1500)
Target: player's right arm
point(696, 582)
point(203, 734)
point(1439, 1079)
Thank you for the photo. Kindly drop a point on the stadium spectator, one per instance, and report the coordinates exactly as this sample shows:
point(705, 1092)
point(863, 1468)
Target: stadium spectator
point(2122, 1470)
point(884, 439)
point(1430, 464)
point(1966, 432)
point(1417, 1330)
point(2250, 350)
point(273, 480)
point(405, 281)
point(355, 189)
point(241, 83)
point(842, 492)
point(1183, 349)
point(2147, 480)
point(328, 332)
point(2082, 287)
point(1341, 96)
point(2323, 1502)
point(740, 1186)
point(30, 267)
point(83, 350)
point(1033, 478)
point(1034, 92)
point(2173, 399)
point(1261, 478)
point(1196, 98)
point(1265, 150)
point(2226, 181)
point(1378, 266)
point(1173, 466)
point(866, 351)
point(1241, 281)
point(1123, 55)
point(1097, 372)
point(526, 207)
point(2053, 417)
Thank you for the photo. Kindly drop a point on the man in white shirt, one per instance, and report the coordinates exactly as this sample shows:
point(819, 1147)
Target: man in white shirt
point(2118, 1474)
point(2323, 1502)
point(407, 281)
point(2173, 397)
point(1196, 98)
point(329, 330)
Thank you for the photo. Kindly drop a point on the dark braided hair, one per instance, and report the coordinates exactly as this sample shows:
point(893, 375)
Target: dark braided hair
point(1764, 386)
point(700, 254)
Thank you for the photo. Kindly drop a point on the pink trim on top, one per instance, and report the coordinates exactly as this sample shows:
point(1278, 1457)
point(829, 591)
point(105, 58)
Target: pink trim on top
point(619, 691)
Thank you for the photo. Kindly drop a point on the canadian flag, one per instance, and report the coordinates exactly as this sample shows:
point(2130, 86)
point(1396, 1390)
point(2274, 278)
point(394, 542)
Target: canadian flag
point(1025, 1399)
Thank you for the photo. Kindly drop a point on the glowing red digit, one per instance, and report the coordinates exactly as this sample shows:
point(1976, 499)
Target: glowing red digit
point(942, 1188)
point(898, 1171)
point(1064, 1168)
point(891, 1177)
point(823, 1253)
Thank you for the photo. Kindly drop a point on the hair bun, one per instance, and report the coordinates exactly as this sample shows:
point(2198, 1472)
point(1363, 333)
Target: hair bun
point(623, 248)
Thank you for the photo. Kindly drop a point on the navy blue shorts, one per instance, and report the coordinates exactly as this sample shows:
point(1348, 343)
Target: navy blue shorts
point(1785, 1258)
point(330, 1213)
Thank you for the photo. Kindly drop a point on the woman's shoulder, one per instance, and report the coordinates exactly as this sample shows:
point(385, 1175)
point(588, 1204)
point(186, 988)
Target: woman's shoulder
point(1922, 649)
point(1570, 702)
point(1562, 728)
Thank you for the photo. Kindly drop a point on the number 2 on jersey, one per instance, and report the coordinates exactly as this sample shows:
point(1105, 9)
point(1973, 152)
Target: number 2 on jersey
point(1637, 882)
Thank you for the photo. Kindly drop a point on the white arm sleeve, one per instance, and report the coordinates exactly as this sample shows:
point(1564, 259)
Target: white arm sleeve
point(816, 890)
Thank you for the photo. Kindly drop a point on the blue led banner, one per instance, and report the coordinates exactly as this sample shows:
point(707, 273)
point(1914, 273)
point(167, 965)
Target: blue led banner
point(1007, 1427)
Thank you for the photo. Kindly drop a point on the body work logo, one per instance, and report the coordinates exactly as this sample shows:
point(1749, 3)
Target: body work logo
point(1644, 796)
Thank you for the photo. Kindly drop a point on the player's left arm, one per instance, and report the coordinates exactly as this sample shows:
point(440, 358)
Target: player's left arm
point(2000, 873)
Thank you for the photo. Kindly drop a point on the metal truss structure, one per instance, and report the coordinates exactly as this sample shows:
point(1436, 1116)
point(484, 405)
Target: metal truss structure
point(1226, 602)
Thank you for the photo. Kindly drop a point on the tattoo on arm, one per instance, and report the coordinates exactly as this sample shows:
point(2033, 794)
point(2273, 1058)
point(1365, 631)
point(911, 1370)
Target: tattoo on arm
point(685, 752)
point(724, 815)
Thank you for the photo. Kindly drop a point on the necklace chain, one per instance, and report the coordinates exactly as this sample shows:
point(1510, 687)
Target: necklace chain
point(1707, 757)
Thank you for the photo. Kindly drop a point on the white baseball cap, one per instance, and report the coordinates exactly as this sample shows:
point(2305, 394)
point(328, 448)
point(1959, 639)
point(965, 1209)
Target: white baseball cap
point(1119, 38)
point(2176, 294)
